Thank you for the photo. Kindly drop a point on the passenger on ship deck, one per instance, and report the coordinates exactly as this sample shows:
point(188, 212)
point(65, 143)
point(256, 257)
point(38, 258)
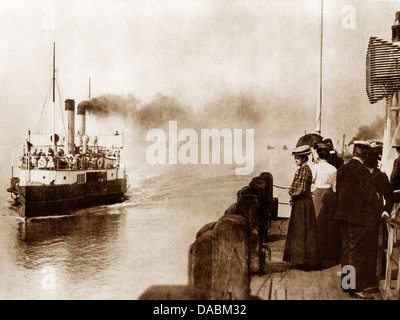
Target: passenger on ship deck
point(356, 212)
point(34, 158)
point(50, 163)
point(37, 156)
point(384, 206)
point(324, 185)
point(77, 162)
point(301, 247)
point(72, 162)
point(333, 159)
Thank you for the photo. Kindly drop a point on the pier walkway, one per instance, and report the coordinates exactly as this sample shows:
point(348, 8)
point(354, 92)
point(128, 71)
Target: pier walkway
point(282, 282)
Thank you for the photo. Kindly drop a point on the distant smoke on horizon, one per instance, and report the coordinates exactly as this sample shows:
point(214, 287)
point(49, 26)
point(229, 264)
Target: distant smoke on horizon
point(373, 131)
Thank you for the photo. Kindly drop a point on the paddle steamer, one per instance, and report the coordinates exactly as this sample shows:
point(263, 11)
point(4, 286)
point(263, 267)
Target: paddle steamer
point(55, 174)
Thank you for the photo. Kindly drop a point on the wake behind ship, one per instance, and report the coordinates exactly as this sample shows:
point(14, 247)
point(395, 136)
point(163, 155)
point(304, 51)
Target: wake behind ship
point(54, 174)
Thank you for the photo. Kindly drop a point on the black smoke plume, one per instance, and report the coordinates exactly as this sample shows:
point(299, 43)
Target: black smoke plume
point(161, 110)
point(371, 132)
point(233, 109)
point(229, 109)
point(113, 104)
point(267, 113)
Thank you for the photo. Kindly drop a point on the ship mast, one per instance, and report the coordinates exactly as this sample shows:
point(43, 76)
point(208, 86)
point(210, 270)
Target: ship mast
point(319, 107)
point(54, 99)
point(89, 115)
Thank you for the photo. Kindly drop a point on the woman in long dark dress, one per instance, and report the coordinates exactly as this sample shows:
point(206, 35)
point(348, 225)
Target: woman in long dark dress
point(301, 247)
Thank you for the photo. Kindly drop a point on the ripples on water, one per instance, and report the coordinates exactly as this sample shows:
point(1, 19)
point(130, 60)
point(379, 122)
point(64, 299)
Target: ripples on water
point(118, 251)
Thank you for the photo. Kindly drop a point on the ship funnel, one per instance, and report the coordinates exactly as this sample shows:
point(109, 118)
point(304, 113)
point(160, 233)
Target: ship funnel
point(70, 108)
point(396, 28)
point(81, 117)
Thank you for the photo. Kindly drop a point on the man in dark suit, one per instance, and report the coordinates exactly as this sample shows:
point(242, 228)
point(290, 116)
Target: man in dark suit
point(385, 205)
point(333, 159)
point(395, 175)
point(356, 213)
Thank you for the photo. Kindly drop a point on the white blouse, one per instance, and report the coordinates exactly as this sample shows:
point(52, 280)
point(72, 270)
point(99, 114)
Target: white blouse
point(324, 175)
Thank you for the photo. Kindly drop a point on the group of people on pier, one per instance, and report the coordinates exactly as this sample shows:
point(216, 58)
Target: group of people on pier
point(336, 211)
point(92, 159)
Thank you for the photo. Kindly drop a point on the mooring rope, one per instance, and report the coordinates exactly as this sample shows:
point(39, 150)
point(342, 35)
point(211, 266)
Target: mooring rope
point(280, 187)
point(285, 188)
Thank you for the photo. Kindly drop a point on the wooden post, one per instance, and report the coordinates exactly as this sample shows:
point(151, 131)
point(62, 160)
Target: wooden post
point(241, 192)
point(207, 227)
point(200, 261)
point(257, 232)
point(171, 292)
point(247, 207)
point(230, 279)
point(270, 209)
point(257, 187)
point(231, 209)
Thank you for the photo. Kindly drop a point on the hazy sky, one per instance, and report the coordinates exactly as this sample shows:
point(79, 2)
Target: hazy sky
point(194, 50)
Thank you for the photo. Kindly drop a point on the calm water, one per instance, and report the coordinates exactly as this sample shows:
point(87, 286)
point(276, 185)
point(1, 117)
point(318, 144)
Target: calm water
point(118, 251)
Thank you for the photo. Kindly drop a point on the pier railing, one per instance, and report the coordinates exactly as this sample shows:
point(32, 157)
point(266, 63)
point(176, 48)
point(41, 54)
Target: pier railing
point(227, 252)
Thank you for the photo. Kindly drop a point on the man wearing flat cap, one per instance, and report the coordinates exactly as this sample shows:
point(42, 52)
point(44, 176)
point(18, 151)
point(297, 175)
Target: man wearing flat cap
point(356, 211)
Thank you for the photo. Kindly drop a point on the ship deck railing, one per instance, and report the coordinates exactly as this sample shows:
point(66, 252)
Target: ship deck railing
point(63, 165)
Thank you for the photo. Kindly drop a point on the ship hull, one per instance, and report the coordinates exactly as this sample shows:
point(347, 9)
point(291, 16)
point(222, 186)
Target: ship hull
point(50, 200)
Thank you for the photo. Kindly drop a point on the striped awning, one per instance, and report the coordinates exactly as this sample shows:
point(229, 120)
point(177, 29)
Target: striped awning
point(383, 69)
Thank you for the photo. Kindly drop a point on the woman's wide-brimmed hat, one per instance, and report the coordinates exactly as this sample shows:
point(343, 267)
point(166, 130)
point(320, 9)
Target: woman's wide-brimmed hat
point(306, 149)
